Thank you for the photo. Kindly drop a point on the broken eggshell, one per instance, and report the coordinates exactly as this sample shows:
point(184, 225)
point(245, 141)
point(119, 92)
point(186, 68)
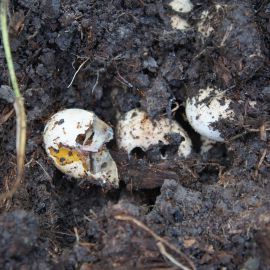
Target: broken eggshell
point(136, 129)
point(75, 140)
point(182, 6)
point(207, 108)
point(178, 23)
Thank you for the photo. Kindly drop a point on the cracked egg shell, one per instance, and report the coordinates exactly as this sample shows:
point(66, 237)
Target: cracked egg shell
point(178, 23)
point(206, 108)
point(75, 140)
point(136, 129)
point(182, 6)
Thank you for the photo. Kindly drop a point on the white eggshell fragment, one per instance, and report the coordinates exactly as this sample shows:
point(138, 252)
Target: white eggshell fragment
point(206, 108)
point(204, 25)
point(179, 23)
point(183, 6)
point(136, 129)
point(75, 140)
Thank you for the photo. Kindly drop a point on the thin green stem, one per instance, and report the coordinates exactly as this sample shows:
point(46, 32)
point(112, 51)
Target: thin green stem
point(13, 78)
point(18, 105)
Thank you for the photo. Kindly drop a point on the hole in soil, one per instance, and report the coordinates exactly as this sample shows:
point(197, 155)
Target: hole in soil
point(168, 150)
point(151, 196)
point(209, 175)
point(146, 197)
point(138, 153)
point(163, 150)
point(194, 136)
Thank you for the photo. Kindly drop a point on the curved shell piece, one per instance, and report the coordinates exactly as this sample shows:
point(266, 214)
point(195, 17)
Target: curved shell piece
point(65, 127)
point(75, 140)
point(136, 129)
point(206, 108)
point(182, 6)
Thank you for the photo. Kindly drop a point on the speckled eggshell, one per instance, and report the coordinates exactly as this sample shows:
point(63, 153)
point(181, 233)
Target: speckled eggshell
point(182, 6)
point(136, 129)
point(65, 126)
point(63, 139)
point(206, 108)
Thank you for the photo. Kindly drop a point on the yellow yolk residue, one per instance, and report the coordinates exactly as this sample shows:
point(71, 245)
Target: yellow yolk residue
point(66, 156)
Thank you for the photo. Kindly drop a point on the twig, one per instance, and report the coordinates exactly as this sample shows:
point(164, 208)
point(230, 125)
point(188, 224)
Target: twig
point(123, 80)
point(18, 105)
point(257, 129)
point(96, 83)
point(237, 136)
point(262, 158)
point(164, 252)
point(263, 135)
point(6, 116)
point(227, 34)
point(159, 241)
point(247, 131)
point(260, 163)
point(45, 172)
point(77, 237)
point(75, 74)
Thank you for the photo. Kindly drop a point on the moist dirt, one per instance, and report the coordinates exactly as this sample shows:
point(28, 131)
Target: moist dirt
point(212, 206)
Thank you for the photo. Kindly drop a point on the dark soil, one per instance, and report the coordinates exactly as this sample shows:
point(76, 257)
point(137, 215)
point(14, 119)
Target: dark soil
point(213, 207)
